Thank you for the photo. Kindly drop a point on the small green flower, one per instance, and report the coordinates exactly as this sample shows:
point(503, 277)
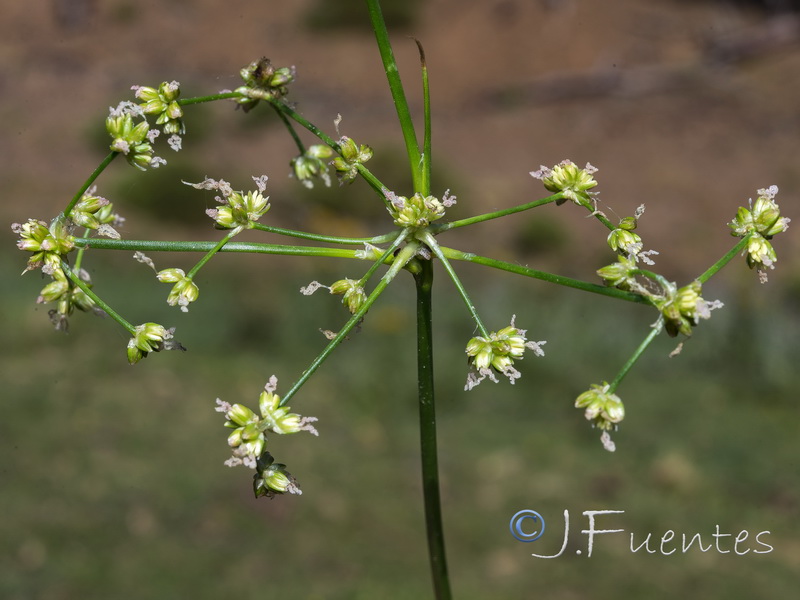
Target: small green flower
point(604, 409)
point(620, 274)
point(131, 140)
point(67, 297)
point(762, 221)
point(278, 419)
point(352, 155)
point(241, 210)
point(568, 178)
point(247, 439)
point(150, 337)
point(311, 164)
point(683, 308)
point(352, 292)
point(46, 244)
point(763, 217)
point(272, 478)
point(184, 292)
point(263, 82)
point(625, 241)
point(164, 103)
point(760, 253)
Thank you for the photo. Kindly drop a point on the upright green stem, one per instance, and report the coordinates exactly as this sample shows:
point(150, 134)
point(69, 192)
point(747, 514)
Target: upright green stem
point(426, 139)
point(427, 431)
point(398, 94)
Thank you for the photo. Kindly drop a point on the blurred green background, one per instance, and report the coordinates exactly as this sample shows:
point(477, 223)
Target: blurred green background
point(111, 476)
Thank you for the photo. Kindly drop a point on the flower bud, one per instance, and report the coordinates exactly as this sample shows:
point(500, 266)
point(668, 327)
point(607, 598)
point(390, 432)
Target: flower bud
point(353, 294)
point(241, 415)
point(352, 155)
point(625, 241)
point(760, 253)
point(619, 274)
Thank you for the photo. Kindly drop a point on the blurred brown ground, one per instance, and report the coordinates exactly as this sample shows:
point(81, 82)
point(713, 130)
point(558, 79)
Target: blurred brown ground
point(630, 86)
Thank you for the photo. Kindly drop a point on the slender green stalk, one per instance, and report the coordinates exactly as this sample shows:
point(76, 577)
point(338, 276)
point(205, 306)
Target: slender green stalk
point(600, 217)
point(97, 300)
point(712, 270)
point(81, 251)
point(430, 241)
point(211, 253)
point(330, 239)
point(211, 98)
point(544, 276)
point(495, 215)
point(427, 433)
point(406, 254)
point(86, 184)
point(246, 247)
point(426, 140)
point(398, 94)
point(636, 355)
point(373, 181)
point(291, 129)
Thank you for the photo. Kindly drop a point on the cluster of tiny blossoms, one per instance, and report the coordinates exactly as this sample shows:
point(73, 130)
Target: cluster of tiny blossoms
point(50, 245)
point(248, 439)
point(497, 352)
point(761, 221)
point(680, 308)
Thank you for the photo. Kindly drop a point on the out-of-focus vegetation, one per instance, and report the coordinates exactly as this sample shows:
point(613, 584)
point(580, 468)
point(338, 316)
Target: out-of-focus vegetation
point(113, 483)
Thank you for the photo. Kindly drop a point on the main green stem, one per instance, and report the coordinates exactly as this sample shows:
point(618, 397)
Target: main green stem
point(427, 431)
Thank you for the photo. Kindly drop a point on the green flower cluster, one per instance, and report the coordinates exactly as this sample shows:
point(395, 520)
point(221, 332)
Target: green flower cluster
point(311, 164)
point(262, 81)
point(132, 139)
point(249, 439)
point(164, 103)
point(497, 352)
point(351, 156)
point(566, 177)
point(184, 292)
point(151, 337)
point(352, 293)
point(239, 210)
point(761, 222)
point(603, 408)
point(417, 212)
